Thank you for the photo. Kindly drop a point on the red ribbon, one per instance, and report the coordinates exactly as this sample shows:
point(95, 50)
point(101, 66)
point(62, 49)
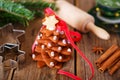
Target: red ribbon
point(67, 33)
point(75, 37)
point(64, 27)
point(69, 75)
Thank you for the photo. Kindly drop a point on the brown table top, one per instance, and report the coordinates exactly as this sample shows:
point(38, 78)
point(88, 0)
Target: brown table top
point(29, 70)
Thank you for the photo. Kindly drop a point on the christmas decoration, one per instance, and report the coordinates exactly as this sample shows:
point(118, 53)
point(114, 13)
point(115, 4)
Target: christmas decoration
point(52, 47)
point(21, 12)
point(53, 44)
point(107, 14)
point(79, 19)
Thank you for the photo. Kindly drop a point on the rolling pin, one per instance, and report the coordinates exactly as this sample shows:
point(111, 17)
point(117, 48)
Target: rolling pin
point(79, 19)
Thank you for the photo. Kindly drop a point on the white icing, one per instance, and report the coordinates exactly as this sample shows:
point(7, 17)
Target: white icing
point(62, 32)
point(36, 43)
point(59, 48)
point(33, 56)
point(60, 57)
point(54, 37)
point(64, 41)
point(42, 46)
point(51, 28)
point(52, 54)
point(38, 37)
point(50, 22)
point(57, 31)
point(51, 63)
point(68, 50)
point(49, 45)
point(68, 42)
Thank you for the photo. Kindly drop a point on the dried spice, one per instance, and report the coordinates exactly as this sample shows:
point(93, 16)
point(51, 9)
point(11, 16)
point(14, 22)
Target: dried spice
point(97, 50)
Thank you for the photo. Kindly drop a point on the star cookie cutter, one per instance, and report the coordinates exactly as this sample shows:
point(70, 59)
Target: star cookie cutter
point(9, 45)
point(10, 35)
point(11, 51)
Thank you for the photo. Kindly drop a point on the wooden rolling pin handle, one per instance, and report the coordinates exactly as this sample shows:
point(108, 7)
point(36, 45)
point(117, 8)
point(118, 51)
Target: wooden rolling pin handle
point(99, 32)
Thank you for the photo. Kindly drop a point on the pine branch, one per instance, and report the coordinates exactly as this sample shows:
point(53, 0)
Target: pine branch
point(22, 11)
point(38, 6)
point(9, 10)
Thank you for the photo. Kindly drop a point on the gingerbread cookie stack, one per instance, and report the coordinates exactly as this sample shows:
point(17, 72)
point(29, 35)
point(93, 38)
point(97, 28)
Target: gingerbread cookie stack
point(52, 48)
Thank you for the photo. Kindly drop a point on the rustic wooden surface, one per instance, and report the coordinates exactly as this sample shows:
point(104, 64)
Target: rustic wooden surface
point(29, 71)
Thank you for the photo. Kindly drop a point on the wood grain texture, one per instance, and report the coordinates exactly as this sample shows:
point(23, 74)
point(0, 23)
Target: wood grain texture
point(29, 70)
point(85, 4)
point(88, 41)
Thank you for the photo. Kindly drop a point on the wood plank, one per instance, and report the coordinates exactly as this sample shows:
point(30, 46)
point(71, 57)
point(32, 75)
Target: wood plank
point(88, 41)
point(85, 4)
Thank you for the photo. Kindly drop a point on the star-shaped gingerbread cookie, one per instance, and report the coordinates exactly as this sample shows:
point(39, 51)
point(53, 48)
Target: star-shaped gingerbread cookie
point(50, 22)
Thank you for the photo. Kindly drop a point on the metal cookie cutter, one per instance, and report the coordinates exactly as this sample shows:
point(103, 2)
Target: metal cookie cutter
point(10, 55)
point(10, 35)
point(11, 51)
point(9, 43)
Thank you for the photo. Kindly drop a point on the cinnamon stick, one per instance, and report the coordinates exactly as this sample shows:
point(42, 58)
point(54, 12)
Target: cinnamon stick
point(114, 63)
point(109, 61)
point(106, 55)
point(114, 68)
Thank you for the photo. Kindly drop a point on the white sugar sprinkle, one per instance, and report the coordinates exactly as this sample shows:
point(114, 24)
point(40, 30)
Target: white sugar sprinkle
point(54, 37)
point(62, 32)
point(60, 57)
point(59, 48)
point(57, 31)
point(33, 56)
point(52, 54)
point(42, 46)
point(51, 63)
point(69, 50)
point(49, 45)
point(36, 43)
point(68, 42)
point(38, 37)
point(64, 41)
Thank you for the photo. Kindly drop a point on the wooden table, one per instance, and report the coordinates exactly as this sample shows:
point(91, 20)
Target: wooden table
point(29, 70)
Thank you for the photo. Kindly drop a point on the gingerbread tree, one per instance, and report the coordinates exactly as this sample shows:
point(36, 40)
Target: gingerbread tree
point(52, 48)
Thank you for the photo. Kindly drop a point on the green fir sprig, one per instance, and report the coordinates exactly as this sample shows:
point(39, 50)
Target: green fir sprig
point(19, 11)
point(14, 12)
point(38, 6)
